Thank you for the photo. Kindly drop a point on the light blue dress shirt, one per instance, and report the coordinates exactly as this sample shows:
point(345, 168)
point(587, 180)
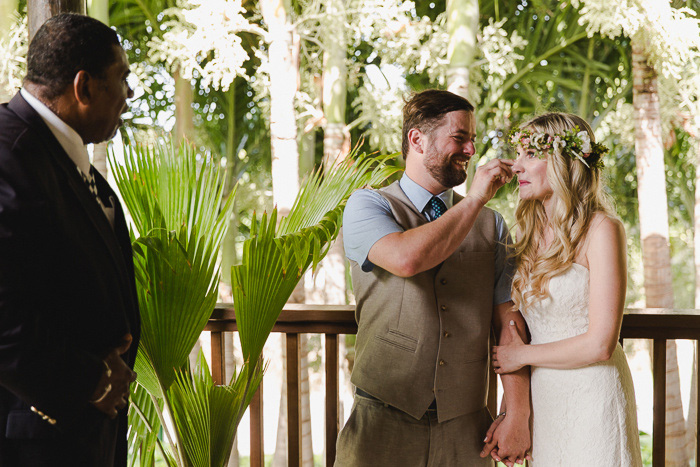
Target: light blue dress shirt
point(368, 218)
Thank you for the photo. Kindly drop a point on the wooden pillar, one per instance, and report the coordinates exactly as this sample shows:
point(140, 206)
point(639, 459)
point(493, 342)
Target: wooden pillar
point(38, 11)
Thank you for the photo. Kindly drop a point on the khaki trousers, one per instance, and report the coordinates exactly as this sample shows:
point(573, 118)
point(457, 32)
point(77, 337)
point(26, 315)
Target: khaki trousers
point(377, 434)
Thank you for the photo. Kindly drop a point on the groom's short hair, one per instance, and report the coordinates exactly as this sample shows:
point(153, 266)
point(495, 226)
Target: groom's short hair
point(425, 109)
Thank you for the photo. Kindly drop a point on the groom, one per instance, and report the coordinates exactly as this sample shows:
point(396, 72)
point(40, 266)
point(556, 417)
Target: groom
point(69, 318)
point(430, 277)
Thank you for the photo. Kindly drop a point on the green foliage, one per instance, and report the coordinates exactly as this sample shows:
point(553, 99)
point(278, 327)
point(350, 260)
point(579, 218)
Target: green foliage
point(176, 199)
point(207, 415)
point(175, 205)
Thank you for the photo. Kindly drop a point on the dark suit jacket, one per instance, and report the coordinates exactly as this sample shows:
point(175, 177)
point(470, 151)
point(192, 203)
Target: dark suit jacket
point(67, 297)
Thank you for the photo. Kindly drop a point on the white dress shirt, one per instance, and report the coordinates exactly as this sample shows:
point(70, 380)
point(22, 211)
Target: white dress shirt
point(70, 141)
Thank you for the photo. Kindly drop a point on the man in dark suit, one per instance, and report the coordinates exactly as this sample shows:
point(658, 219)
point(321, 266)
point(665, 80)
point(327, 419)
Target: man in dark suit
point(69, 320)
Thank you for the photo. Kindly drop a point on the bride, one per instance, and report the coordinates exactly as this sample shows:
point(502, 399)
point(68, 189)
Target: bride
point(570, 287)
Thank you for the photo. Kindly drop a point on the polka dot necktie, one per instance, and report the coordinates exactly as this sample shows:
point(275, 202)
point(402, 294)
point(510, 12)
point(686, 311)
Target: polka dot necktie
point(438, 207)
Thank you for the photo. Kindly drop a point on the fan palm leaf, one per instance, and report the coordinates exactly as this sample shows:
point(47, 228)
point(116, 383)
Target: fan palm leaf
point(276, 257)
point(207, 415)
point(174, 202)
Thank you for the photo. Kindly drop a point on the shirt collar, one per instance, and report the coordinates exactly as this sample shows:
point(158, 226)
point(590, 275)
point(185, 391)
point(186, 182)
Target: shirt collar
point(68, 138)
point(419, 196)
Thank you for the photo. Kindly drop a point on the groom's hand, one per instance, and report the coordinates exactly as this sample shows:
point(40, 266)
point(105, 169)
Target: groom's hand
point(508, 440)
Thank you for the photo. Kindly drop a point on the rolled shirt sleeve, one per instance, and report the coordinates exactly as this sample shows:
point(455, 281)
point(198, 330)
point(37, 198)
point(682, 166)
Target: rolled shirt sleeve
point(367, 219)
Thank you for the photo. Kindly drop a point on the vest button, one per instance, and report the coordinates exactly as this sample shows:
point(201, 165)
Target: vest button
point(443, 307)
point(446, 334)
point(441, 363)
point(443, 281)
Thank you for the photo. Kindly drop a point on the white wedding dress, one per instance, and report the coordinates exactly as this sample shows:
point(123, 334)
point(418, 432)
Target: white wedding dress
point(583, 416)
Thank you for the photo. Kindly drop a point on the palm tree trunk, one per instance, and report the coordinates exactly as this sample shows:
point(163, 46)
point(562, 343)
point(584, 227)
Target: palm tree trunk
point(99, 9)
point(327, 286)
point(229, 256)
point(231, 364)
point(335, 146)
point(692, 421)
point(462, 26)
point(653, 221)
point(284, 82)
point(184, 126)
point(280, 457)
point(38, 11)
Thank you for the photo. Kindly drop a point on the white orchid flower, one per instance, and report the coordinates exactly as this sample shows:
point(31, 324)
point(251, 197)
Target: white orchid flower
point(537, 140)
point(585, 142)
point(558, 144)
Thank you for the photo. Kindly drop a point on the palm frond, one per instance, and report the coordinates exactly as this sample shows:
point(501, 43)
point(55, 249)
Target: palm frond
point(275, 258)
point(174, 198)
point(207, 415)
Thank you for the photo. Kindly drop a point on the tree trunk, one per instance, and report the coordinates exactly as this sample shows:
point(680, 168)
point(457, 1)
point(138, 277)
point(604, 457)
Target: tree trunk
point(184, 126)
point(692, 420)
point(231, 364)
point(99, 9)
point(229, 256)
point(653, 222)
point(38, 11)
point(462, 26)
point(335, 146)
point(284, 82)
point(279, 459)
point(327, 286)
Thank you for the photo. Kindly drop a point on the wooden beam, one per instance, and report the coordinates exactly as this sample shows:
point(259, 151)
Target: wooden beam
point(38, 11)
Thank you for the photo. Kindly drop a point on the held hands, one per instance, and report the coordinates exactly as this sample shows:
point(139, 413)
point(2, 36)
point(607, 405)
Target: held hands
point(112, 391)
point(506, 358)
point(508, 440)
point(489, 178)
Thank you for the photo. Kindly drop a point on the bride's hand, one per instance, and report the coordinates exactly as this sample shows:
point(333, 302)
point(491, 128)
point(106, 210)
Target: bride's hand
point(506, 358)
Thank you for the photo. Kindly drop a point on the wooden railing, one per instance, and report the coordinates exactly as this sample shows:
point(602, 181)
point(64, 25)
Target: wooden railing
point(657, 324)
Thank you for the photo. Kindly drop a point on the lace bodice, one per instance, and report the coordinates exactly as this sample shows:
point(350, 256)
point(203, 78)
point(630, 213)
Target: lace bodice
point(565, 312)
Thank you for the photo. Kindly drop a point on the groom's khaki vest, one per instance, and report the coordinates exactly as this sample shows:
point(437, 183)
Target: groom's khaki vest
point(427, 337)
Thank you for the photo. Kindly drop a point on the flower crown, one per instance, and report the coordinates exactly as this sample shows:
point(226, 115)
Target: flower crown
point(574, 143)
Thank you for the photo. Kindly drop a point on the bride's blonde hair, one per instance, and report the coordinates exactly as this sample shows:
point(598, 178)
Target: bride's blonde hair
point(578, 194)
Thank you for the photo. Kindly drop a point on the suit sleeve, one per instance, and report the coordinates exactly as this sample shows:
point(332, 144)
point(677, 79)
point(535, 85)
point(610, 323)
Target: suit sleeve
point(39, 363)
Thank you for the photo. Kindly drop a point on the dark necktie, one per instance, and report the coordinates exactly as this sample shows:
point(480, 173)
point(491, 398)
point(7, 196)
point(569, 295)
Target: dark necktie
point(89, 179)
point(438, 207)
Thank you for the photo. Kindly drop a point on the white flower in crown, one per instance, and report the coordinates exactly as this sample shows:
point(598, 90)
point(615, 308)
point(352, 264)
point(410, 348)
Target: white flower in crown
point(538, 139)
point(585, 142)
point(558, 144)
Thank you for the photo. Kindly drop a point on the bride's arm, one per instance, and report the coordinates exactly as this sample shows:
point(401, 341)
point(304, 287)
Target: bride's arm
point(508, 439)
point(607, 259)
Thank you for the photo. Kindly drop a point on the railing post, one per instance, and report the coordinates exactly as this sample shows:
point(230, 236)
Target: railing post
point(332, 394)
point(218, 357)
point(293, 401)
point(257, 446)
point(697, 403)
point(659, 440)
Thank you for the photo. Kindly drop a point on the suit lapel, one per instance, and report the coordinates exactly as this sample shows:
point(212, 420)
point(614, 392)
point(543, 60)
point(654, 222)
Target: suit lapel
point(74, 180)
